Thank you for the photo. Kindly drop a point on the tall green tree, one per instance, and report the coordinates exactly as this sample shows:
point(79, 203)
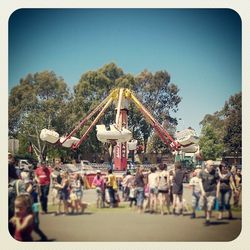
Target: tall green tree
point(153, 89)
point(222, 132)
point(233, 125)
point(160, 96)
point(37, 102)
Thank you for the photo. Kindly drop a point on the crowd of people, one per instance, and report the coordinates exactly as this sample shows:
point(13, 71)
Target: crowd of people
point(161, 190)
point(156, 191)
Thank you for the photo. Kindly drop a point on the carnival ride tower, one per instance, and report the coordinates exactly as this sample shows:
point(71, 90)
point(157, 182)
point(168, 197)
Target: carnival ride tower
point(118, 134)
point(121, 148)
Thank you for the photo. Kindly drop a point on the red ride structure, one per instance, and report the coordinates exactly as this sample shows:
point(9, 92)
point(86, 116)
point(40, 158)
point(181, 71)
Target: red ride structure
point(118, 135)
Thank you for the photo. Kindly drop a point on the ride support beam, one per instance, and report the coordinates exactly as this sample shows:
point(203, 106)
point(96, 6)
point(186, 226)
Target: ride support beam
point(75, 146)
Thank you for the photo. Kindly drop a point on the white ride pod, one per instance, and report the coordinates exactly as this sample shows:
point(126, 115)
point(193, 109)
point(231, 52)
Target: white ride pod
point(187, 136)
point(105, 135)
point(132, 145)
point(49, 135)
point(190, 149)
point(69, 142)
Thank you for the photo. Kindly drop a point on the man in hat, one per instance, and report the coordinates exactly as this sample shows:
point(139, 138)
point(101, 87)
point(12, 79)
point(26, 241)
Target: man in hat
point(42, 175)
point(209, 188)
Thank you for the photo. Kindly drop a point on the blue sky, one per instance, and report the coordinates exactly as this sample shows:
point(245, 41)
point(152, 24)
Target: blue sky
point(200, 48)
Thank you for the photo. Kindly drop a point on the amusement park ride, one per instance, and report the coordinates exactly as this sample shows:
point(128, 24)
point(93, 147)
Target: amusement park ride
point(119, 136)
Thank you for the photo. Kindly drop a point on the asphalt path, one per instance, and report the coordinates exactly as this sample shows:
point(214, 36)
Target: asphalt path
point(118, 225)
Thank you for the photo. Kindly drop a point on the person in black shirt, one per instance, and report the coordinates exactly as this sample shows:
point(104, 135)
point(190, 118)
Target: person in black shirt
point(178, 177)
point(209, 188)
point(226, 188)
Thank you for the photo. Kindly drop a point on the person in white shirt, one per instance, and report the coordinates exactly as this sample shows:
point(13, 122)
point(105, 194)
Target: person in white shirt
point(153, 189)
point(163, 188)
point(196, 190)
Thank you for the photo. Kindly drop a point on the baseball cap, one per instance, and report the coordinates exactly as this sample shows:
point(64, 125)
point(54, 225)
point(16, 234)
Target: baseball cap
point(98, 171)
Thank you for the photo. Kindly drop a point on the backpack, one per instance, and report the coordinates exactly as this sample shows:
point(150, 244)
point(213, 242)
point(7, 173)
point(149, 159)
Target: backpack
point(163, 185)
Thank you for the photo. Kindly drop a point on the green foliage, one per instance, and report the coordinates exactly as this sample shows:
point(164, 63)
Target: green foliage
point(233, 122)
point(211, 143)
point(42, 100)
point(221, 132)
point(37, 103)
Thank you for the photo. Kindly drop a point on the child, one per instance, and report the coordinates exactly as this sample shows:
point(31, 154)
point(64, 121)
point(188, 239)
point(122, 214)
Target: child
point(77, 193)
point(32, 188)
point(196, 191)
point(23, 218)
point(64, 193)
point(132, 195)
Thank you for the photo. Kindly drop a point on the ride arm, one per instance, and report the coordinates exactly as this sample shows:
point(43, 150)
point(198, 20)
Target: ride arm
point(92, 113)
point(75, 146)
point(163, 134)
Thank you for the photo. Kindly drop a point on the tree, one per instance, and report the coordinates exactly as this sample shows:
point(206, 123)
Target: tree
point(210, 143)
point(221, 132)
point(37, 102)
point(42, 100)
point(153, 89)
point(233, 125)
point(160, 97)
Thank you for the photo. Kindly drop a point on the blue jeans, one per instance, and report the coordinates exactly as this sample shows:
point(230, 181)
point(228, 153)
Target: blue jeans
point(44, 197)
point(111, 192)
point(139, 196)
point(224, 199)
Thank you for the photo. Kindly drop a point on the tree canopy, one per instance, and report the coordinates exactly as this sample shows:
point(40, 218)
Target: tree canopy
point(221, 132)
point(43, 100)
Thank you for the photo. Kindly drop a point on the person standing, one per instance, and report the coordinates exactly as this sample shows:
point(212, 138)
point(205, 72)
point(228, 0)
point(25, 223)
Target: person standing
point(77, 189)
point(178, 177)
point(98, 184)
point(163, 188)
point(127, 182)
point(112, 187)
point(226, 188)
point(237, 179)
point(153, 189)
point(210, 187)
point(42, 175)
point(196, 191)
point(139, 184)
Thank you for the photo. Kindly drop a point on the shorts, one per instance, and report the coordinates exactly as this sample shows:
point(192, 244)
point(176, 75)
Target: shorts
point(163, 191)
point(78, 195)
point(153, 190)
point(207, 202)
point(139, 196)
point(98, 192)
point(64, 196)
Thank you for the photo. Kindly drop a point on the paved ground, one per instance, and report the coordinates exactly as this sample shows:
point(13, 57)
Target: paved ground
point(125, 225)
point(135, 227)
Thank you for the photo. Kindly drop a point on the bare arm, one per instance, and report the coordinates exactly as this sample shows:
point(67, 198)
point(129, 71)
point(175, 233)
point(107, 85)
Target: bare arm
point(28, 220)
point(232, 185)
point(218, 189)
point(201, 187)
point(29, 188)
